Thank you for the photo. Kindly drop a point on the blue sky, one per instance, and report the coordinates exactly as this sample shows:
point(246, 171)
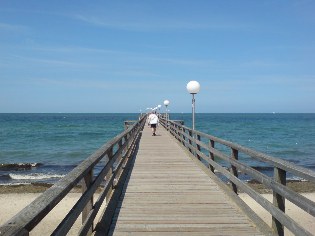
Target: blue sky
point(123, 56)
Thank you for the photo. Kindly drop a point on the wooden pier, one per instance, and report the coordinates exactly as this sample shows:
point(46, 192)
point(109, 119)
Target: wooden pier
point(167, 194)
point(168, 185)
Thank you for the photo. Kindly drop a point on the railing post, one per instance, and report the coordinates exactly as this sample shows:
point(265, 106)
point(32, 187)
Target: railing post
point(211, 155)
point(86, 182)
point(175, 130)
point(190, 142)
point(198, 146)
point(278, 200)
point(234, 156)
point(183, 136)
point(119, 158)
point(125, 150)
point(110, 173)
point(178, 128)
point(171, 128)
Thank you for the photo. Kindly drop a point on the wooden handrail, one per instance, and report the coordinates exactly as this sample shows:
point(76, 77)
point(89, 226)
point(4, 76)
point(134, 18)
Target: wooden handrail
point(193, 140)
point(124, 146)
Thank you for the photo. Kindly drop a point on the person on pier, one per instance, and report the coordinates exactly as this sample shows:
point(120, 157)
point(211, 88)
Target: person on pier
point(153, 121)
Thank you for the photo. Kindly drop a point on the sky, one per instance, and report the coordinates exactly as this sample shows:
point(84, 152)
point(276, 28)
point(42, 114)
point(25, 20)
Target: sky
point(126, 56)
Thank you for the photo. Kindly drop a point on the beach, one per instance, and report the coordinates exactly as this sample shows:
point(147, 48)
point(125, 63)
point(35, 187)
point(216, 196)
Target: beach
point(298, 215)
point(15, 198)
point(12, 203)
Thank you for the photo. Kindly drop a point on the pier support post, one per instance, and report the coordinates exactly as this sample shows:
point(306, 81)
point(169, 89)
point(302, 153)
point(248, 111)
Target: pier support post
point(183, 136)
point(190, 142)
point(234, 155)
point(211, 156)
point(278, 200)
point(198, 146)
point(86, 183)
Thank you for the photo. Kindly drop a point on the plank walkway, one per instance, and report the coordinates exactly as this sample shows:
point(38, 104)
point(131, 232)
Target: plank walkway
point(168, 194)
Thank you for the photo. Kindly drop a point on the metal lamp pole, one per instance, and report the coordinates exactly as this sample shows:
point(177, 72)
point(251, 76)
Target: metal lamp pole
point(193, 87)
point(193, 110)
point(166, 103)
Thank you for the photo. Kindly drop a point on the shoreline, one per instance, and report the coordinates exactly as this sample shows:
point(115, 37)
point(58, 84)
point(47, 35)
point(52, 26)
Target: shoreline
point(295, 185)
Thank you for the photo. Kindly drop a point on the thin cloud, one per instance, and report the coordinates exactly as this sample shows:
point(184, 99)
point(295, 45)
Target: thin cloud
point(260, 64)
point(71, 49)
point(184, 62)
point(51, 62)
point(111, 85)
point(158, 25)
point(11, 27)
point(127, 55)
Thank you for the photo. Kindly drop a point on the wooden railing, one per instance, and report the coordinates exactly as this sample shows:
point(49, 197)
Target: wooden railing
point(202, 146)
point(114, 157)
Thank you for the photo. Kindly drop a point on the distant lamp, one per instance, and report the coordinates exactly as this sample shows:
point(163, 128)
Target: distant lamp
point(193, 87)
point(166, 103)
point(159, 107)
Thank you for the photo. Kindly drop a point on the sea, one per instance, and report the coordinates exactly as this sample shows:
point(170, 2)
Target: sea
point(42, 148)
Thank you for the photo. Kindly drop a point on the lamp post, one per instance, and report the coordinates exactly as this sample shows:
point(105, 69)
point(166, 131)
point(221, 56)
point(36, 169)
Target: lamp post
point(193, 87)
point(159, 107)
point(166, 103)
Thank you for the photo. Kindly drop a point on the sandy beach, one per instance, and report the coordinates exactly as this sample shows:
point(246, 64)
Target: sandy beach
point(300, 216)
point(15, 198)
point(12, 203)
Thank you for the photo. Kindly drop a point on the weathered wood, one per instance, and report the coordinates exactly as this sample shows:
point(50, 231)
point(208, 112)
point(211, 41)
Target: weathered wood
point(234, 156)
point(296, 198)
point(281, 192)
point(103, 225)
point(86, 183)
point(190, 141)
point(167, 192)
point(198, 146)
point(279, 201)
point(278, 214)
point(211, 155)
point(129, 123)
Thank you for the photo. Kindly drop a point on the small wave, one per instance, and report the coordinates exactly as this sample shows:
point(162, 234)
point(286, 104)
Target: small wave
point(296, 179)
point(5, 177)
point(14, 184)
point(289, 179)
point(19, 166)
point(262, 168)
point(35, 176)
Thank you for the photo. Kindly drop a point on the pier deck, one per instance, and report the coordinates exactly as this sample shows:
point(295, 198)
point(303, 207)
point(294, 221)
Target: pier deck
point(166, 193)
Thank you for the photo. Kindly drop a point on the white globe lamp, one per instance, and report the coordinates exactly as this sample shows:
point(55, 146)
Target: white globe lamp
point(193, 87)
point(166, 103)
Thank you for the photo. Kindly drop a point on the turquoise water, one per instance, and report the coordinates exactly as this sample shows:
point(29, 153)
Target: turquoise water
point(56, 143)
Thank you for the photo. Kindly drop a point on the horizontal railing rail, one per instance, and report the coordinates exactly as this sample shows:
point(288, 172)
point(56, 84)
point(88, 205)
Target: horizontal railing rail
point(202, 146)
point(112, 156)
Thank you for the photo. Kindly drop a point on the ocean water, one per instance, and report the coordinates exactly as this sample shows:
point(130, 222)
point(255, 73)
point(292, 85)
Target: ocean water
point(44, 147)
